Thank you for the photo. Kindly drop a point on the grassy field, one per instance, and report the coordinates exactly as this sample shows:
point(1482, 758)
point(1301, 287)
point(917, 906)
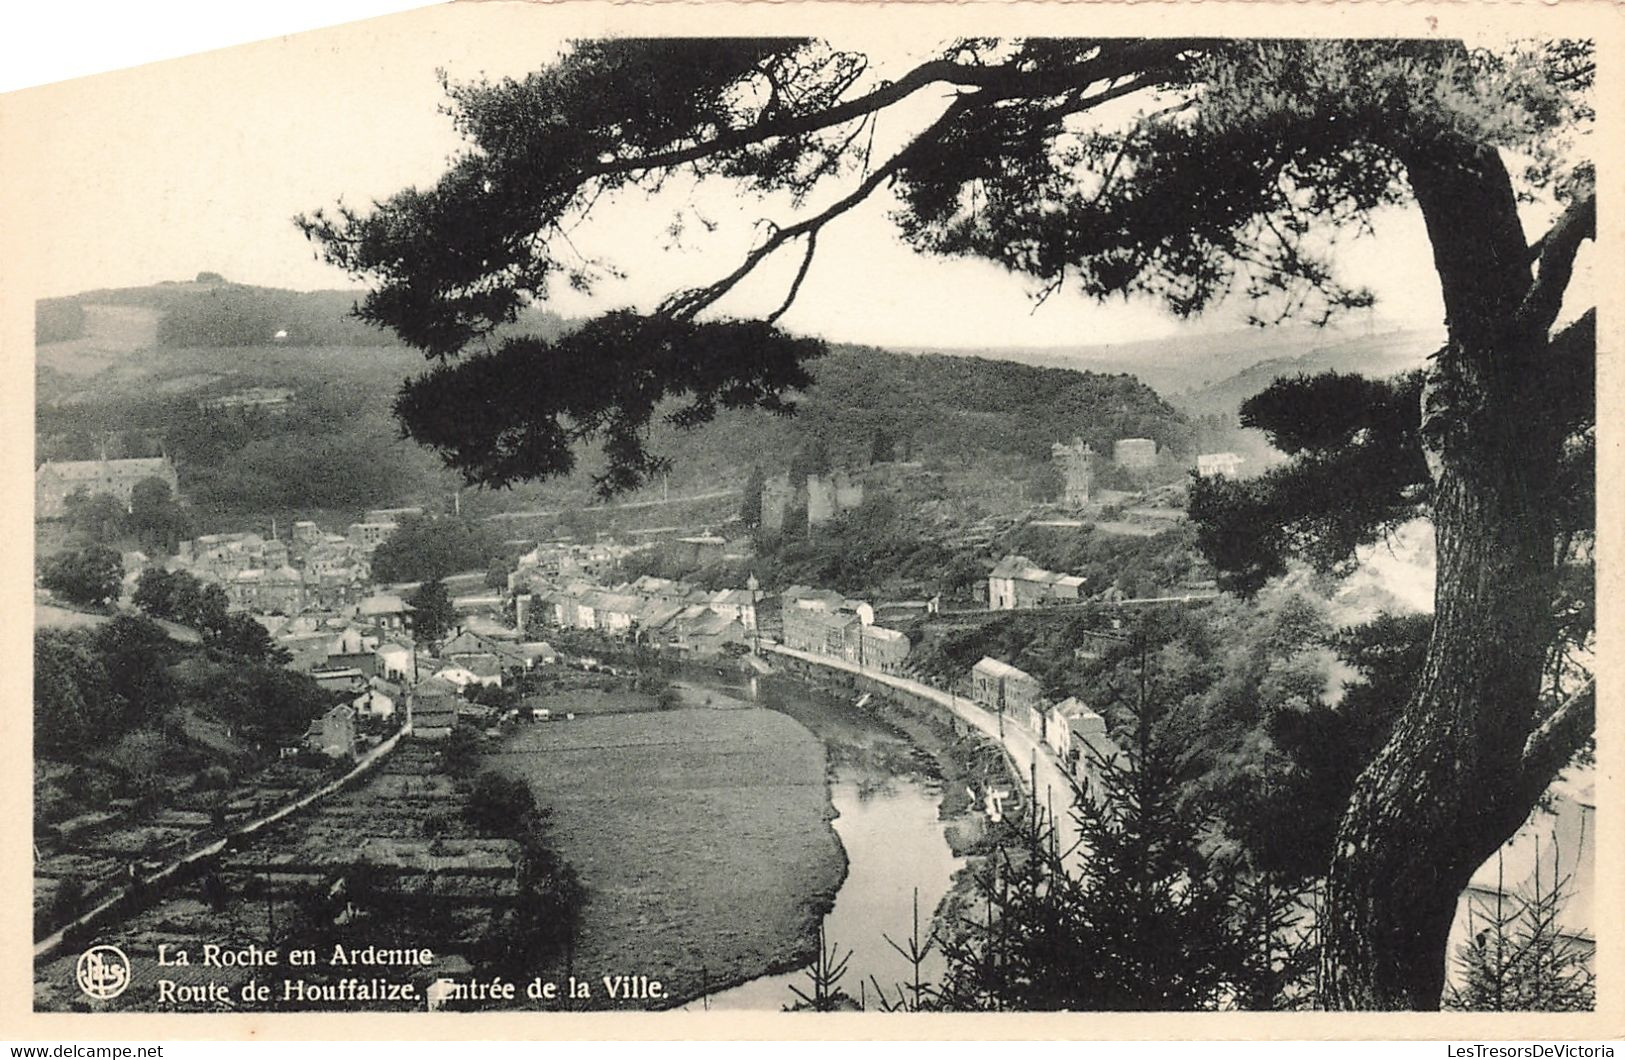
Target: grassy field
point(702, 837)
point(591, 701)
point(49, 616)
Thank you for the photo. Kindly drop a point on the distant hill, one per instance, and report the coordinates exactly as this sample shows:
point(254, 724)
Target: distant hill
point(211, 313)
point(986, 424)
point(134, 364)
point(1384, 354)
point(215, 312)
point(1202, 371)
point(952, 407)
point(1207, 376)
point(124, 371)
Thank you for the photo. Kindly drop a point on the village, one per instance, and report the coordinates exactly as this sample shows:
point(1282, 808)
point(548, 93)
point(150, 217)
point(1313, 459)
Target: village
point(313, 592)
point(564, 607)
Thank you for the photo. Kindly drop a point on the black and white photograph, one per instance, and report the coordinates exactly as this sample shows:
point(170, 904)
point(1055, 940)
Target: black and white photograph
point(556, 509)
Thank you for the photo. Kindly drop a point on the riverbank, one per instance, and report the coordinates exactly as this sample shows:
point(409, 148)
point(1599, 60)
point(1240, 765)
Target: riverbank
point(886, 736)
point(899, 869)
point(961, 754)
point(733, 893)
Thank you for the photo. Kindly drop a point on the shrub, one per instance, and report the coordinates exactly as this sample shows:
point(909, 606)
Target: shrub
point(89, 577)
point(212, 778)
point(89, 785)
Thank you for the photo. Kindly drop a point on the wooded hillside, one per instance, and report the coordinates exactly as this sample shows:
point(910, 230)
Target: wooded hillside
point(213, 339)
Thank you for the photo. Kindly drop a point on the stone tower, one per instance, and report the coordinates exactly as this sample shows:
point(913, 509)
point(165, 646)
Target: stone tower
point(1075, 462)
point(776, 498)
point(820, 500)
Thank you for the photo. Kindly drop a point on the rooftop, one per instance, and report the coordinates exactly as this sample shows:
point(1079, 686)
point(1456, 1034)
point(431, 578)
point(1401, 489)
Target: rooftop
point(435, 687)
point(383, 604)
point(994, 668)
point(1021, 568)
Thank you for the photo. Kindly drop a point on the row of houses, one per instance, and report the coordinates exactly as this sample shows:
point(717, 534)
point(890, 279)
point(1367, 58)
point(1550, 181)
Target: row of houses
point(824, 622)
point(385, 679)
point(339, 648)
point(321, 640)
point(312, 570)
point(657, 612)
point(555, 561)
point(676, 615)
point(313, 595)
point(1074, 732)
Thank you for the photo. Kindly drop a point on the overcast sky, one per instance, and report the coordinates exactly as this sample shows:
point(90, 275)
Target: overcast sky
point(200, 163)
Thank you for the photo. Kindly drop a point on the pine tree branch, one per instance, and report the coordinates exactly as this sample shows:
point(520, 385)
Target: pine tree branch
point(795, 285)
point(1556, 251)
point(688, 303)
point(1117, 59)
point(684, 305)
point(1554, 743)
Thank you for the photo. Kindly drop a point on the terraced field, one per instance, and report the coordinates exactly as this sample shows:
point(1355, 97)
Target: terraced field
point(299, 884)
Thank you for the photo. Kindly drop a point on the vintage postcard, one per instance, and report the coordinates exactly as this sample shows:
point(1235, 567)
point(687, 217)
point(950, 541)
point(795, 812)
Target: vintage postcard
point(806, 520)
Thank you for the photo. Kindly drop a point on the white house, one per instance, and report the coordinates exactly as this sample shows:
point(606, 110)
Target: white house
point(736, 603)
point(586, 615)
point(333, 734)
point(1219, 465)
point(1016, 583)
point(397, 661)
point(386, 610)
point(486, 668)
point(538, 651)
point(460, 676)
point(1068, 721)
point(351, 641)
point(613, 612)
point(376, 702)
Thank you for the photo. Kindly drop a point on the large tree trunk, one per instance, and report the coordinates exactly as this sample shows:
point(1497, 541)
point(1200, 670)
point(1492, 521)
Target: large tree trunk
point(1446, 790)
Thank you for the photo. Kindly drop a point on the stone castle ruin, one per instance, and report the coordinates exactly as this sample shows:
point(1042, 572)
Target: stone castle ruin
point(1075, 462)
point(777, 497)
point(1136, 454)
point(826, 495)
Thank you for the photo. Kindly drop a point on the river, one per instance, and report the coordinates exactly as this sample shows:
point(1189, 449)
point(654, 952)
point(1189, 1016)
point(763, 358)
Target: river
point(887, 821)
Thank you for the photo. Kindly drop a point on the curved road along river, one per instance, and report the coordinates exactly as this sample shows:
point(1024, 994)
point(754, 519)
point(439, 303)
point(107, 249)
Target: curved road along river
point(1040, 770)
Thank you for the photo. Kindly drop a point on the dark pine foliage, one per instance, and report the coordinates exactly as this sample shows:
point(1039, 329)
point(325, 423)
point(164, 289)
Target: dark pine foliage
point(1517, 956)
point(1358, 470)
point(515, 414)
point(1151, 917)
point(1289, 823)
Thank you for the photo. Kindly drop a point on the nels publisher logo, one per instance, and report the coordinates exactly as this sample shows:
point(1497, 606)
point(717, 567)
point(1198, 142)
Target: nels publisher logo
point(103, 972)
